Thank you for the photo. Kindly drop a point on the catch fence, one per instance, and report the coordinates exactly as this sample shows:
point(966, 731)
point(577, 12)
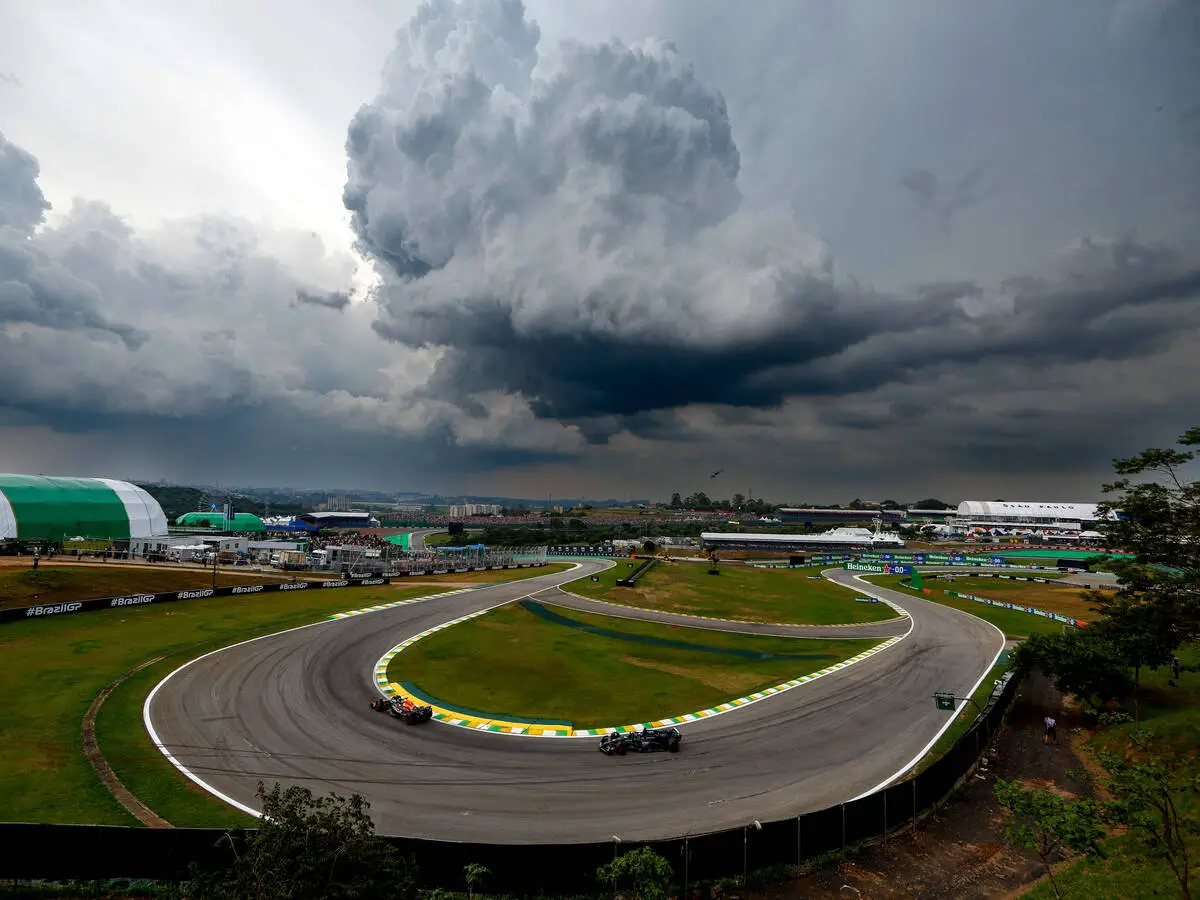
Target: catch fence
point(95, 852)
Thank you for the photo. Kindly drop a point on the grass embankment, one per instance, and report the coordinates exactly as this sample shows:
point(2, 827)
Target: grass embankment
point(53, 668)
point(523, 664)
point(440, 538)
point(59, 584)
point(1066, 599)
point(1013, 623)
point(740, 592)
point(1174, 714)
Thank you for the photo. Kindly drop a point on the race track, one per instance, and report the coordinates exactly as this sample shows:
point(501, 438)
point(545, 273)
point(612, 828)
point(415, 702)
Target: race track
point(293, 707)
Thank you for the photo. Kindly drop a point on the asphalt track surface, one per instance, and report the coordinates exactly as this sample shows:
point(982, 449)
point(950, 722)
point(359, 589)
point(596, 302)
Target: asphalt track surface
point(293, 708)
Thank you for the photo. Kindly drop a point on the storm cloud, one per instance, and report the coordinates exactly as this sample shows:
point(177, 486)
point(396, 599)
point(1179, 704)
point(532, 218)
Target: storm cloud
point(564, 221)
point(848, 253)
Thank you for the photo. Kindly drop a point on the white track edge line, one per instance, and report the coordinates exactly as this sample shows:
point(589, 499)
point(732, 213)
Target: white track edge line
point(184, 770)
point(916, 759)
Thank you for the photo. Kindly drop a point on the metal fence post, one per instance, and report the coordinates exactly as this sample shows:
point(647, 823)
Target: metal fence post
point(914, 784)
point(799, 854)
point(843, 829)
point(686, 858)
point(885, 816)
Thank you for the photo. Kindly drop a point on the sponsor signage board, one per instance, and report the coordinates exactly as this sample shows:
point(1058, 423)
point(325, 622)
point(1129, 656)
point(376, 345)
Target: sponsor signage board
point(134, 600)
point(878, 568)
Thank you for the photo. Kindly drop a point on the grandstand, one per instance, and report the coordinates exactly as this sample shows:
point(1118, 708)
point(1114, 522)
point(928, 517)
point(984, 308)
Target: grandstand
point(1013, 516)
point(339, 519)
point(833, 539)
point(821, 516)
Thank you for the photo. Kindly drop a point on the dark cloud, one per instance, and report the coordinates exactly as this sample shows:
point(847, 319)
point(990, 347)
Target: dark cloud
point(945, 201)
point(36, 288)
point(22, 204)
point(568, 228)
point(329, 299)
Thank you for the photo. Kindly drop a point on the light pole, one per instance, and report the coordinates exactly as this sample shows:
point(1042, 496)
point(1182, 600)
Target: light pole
point(616, 844)
point(746, 849)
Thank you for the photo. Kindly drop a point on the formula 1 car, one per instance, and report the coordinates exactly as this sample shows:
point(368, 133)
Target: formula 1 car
point(641, 741)
point(403, 708)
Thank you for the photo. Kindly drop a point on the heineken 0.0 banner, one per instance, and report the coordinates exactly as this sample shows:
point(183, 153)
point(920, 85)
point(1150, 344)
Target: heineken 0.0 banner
point(878, 568)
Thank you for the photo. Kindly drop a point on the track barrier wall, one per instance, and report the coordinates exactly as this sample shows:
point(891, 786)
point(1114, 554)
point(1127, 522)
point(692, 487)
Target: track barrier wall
point(100, 852)
point(128, 600)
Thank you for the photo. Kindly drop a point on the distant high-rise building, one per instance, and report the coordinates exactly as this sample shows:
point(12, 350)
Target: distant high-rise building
point(463, 510)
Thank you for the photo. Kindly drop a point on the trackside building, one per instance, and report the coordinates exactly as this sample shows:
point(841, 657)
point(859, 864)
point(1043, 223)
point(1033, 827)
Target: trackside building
point(42, 508)
point(833, 539)
point(989, 514)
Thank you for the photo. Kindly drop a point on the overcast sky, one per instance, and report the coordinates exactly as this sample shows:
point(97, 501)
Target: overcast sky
point(600, 249)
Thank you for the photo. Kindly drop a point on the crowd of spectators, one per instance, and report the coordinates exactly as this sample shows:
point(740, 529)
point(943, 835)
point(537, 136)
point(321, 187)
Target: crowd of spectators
point(372, 541)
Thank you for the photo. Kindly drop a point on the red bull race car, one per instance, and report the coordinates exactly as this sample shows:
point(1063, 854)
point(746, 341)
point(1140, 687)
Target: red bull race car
point(403, 708)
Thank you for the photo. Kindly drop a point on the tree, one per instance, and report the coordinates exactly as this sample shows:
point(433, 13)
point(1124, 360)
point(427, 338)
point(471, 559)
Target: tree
point(676, 500)
point(640, 873)
point(474, 874)
point(308, 847)
point(1047, 824)
point(1157, 607)
point(649, 547)
point(1152, 789)
point(932, 503)
point(737, 501)
point(1081, 663)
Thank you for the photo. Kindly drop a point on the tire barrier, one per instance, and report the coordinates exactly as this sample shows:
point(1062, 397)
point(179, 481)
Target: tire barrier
point(100, 852)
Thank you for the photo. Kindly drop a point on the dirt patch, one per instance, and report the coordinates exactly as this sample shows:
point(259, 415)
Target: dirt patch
point(957, 852)
point(104, 771)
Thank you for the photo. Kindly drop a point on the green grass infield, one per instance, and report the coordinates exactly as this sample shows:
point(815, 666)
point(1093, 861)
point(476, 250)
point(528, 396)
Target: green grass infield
point(785, 596)
point(550, 663)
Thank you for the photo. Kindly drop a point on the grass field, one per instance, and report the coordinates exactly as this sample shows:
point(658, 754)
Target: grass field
point(525, 665)
point(1174, 713)
point(1065, 599)
point(53, 668)
point(26, 586)
point(1014, 624)
point(739, 592)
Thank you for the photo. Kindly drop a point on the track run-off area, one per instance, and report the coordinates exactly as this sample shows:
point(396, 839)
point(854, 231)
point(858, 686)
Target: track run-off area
point(293, 707)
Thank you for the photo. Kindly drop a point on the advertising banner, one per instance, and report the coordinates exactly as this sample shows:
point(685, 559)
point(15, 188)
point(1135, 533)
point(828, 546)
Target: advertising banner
point(134, 600)
point(878, 569)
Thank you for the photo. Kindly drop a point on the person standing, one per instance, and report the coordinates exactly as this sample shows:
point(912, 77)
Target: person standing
point(1051, 732)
